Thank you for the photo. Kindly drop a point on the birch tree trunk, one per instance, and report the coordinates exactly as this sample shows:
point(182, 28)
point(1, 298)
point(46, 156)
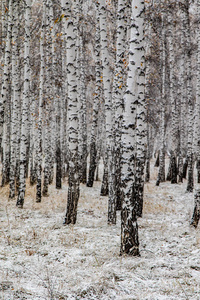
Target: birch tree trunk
point(161, 173)
point(33, 156)
point(96, 104)
point(196, 213)
point(196, 127)
point(40, 110)
point(25, 107)
point(47, 104)
point(83, 171)
point(73, 179)
point(6, 69)
point(183, 84)
point(108, 109)
point(118, 92)
point(5, 104)
point(174, 136)
point(14, 100)
point(134, 93)
point(190, 183)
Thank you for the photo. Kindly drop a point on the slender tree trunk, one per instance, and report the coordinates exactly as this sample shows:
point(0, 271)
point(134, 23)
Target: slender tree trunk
point(148, 156)
point(96, 106)
point(161, 172)
point(6, 69)
point(47, 105)
point(183, 82)
point(108, 109)
point(196, 213)
point(135, 86)
point(14, 101)
point(25, 108)
point(39, 125)
point(118, 93)
point(73, 189)
point(58, 150)
point(104, 185)
point(174, 134)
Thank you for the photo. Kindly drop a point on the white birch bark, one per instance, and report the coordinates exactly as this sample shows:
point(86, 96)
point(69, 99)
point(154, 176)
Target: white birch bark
point(7, 60)
point(96, 103)
point(40, 110)
point(14, 100)
point(6, 144)
point(25, 107)
point(118, 92)
point(134, 90)
point(190, 182)
point(83, 116)
point(183, 84)
point(141, 127)
point(196, 137)
point(33, 142)
point(73, 190)
point(5, 105)
point(161, 173)
point(108, 101)
point(47, 103)
point(174, 136)
point(64, 127)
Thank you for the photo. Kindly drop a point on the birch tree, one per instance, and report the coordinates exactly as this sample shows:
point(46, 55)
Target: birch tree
point(73, 179)
point(39, 152)
point(14, 100)
point(161, 173)
point(25, 107)
point(5, 105)
point(173, 101)
point(96, 103)
point(134, 90)
point(108, 104)
point(47, 102)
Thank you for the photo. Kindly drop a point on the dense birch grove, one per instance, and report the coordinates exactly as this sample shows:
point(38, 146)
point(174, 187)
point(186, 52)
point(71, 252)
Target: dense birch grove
point(89, 81)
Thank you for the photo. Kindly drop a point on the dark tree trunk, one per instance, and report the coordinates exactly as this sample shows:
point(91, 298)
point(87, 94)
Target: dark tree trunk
point(33, 173)
point(51, 171)
point(190, 183)
point(157, 160)
point(180, 168)
point(17, 176)
point(158, 180)
point(118, 179)
point(198, 171)
point(46, 184)
point(97, 172)
point(5, 173)
point(129, 229)
point(72, 199)
point(185, 166)
point(196, 214)
point(39, 188)
point(173, 169)
point(138, 189)
point(169, 173)
point(161, 172)
point(104, 185)
point(27, 157)
point(58, 167)
point(83, 178)
point(93, 153)
point(147, 173)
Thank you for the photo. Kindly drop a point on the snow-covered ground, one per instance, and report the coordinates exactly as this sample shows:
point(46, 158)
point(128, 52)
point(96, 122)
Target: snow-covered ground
point(42, 259)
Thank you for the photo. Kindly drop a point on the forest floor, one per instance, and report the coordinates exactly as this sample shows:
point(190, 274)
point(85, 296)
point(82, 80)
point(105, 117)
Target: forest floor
point(42, 259)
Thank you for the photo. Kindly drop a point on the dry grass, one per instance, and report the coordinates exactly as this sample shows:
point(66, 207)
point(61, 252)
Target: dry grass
point(36, 250)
